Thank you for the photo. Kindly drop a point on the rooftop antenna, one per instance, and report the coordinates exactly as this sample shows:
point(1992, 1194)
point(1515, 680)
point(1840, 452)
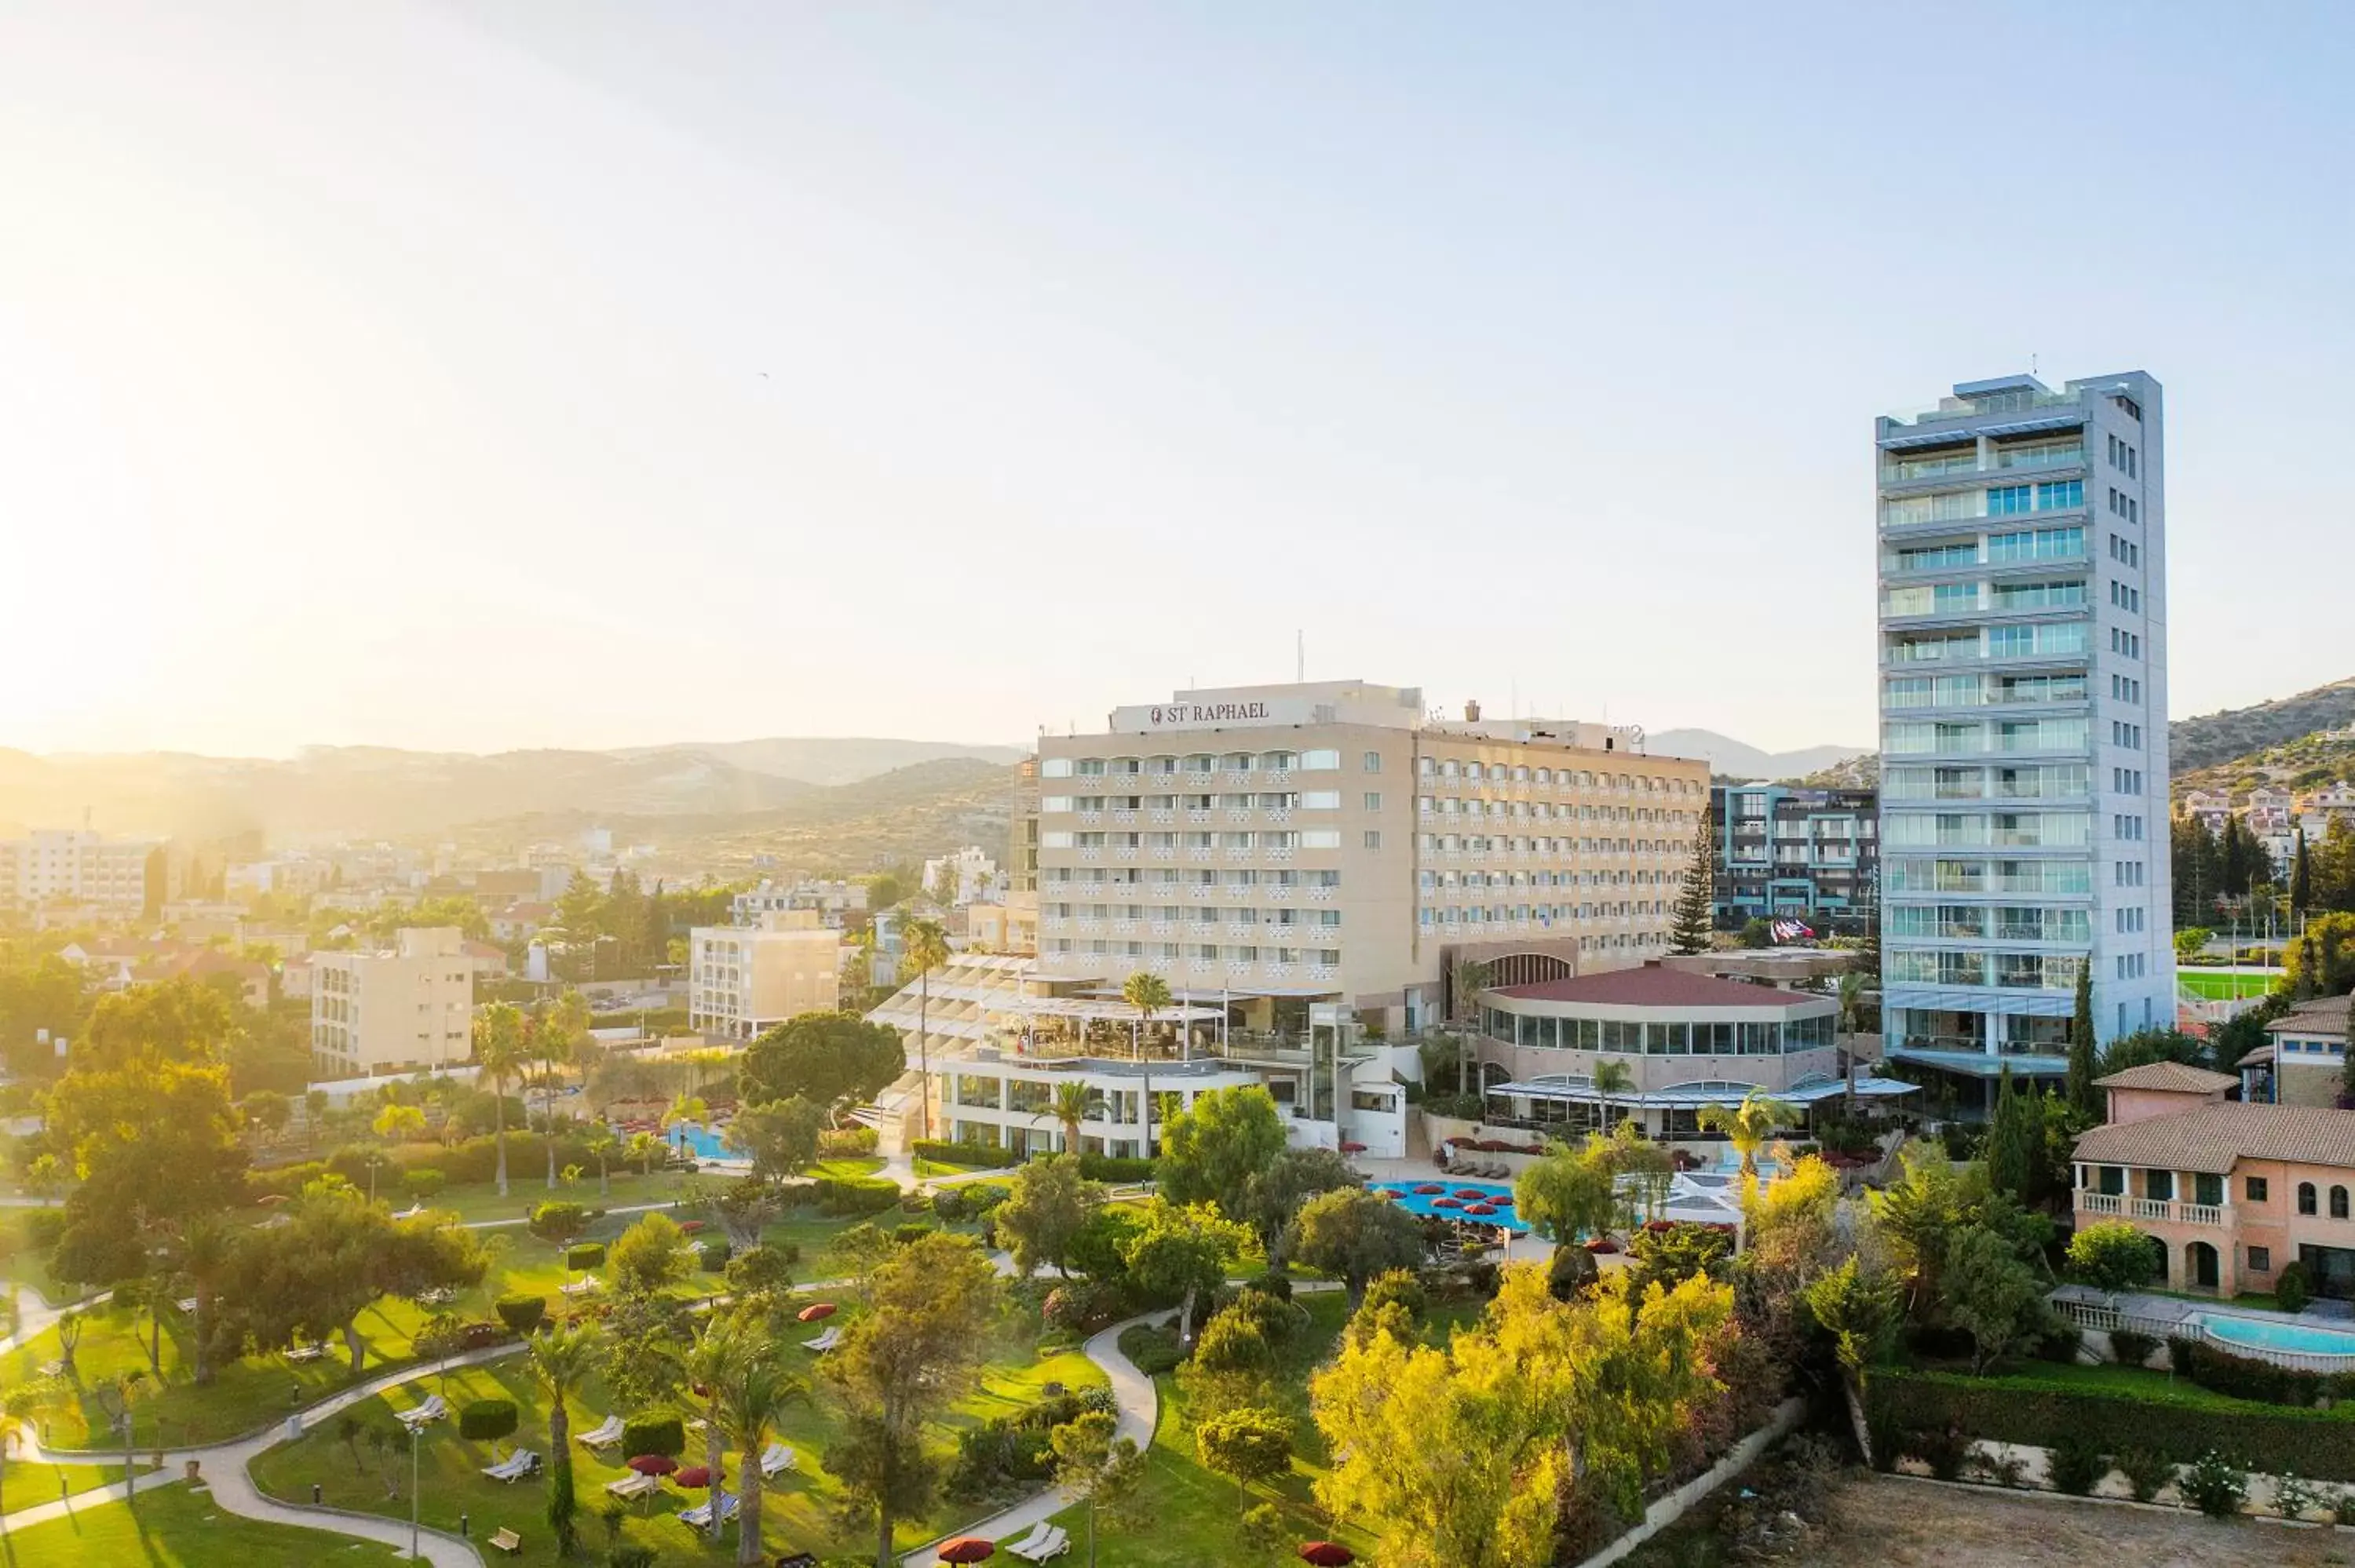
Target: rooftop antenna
point(2031, 362)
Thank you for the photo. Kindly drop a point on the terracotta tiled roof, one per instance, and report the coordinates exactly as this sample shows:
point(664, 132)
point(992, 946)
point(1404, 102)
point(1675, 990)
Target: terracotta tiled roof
point(2262, 1055)
point(1655, 986)
point(2212, 1137)
point(2323, 1015)
point(2173, 1075)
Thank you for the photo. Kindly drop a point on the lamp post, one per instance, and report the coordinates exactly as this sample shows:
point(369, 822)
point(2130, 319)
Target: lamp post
point(416, 1432)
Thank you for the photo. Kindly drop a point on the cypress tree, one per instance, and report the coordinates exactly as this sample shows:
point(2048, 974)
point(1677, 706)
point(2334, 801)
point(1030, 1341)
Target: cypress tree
point(2082, 1096)
point(2009, 1142)
point(2301, 877)
point(1695, 916)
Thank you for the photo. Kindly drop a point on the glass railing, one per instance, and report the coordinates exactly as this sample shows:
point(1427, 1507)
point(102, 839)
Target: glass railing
point(2023, 400)
point(1906, 470)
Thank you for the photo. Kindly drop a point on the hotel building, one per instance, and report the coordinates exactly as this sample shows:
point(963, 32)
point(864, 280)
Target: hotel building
point(1333, 841)
point(76, 868)
point(2022, 570)
point(1783, 851)
point(407, 1007)
point(743, 980)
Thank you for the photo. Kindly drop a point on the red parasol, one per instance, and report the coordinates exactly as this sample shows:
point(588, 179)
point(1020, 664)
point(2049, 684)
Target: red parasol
point(1389, 1194)
point(1481, 1209)
point(967, 1549)
point(1447, 1202)
point(1429, 1190)
point(693, 1475)
point(816, 1310)
point(1473, 1194)
point(1353, 1149)
point(1326, 1554)
point(654, 1463)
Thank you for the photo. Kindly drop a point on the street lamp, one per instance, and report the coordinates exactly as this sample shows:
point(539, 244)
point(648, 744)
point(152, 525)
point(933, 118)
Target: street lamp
point(416, 1432)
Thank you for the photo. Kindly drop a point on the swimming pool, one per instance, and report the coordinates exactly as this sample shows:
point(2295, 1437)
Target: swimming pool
point(2265, 1334)
point(700, 1141)
point(1494, 1195)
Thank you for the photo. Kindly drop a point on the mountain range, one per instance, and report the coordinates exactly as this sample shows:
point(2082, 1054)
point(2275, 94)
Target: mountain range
point(1732, 758)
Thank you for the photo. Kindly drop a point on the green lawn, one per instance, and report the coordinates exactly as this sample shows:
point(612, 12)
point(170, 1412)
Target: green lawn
point(2227, 985)
point(1192, 1514)
point(29, 1486)
point(799, 1509)
point(20, 1263)
point(527, 1188)
point(174, 1527)
point(2116, 1382)
point(852, 1167)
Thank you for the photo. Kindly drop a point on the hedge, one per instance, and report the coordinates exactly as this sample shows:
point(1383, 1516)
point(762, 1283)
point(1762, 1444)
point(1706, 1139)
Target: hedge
point(1115, 1168)
point(851, 1200)
point(844, 1142)
point(522, 1314)
point(584, 1254)
point(714, 1256)
point(972, 1156)
point(2318, 1444)
point(2246, 1377)
point(487, 1420)
point(654, 1434)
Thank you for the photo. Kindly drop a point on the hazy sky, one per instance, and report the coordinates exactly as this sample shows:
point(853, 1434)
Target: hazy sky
point(491, 374)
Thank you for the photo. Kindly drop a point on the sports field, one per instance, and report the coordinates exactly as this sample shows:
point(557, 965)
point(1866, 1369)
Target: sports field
point(2228, 985)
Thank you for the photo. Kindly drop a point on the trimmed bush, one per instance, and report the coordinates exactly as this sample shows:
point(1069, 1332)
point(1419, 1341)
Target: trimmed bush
point(487, 1420)
point(1082, 1306)
point(2132, 1350)
point(654, 1434)
point(846, 1143)
point(1154, 1350)
point(714, 1256)
point(2244, 1377)
point(2146, 1472)
point(1115, 1168)
point(853, 1199)
point(522, 1314)
point(585, 1255)
point(2315, 1443)
point(972, 1156)
point(2292, 1289)
point(2078, 1466)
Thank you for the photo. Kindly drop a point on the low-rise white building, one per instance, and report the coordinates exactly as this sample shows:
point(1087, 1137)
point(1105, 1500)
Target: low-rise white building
point(742, 979)
point(75, 867)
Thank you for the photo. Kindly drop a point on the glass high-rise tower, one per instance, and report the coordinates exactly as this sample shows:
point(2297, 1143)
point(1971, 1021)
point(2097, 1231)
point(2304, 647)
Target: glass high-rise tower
point(2022, 537)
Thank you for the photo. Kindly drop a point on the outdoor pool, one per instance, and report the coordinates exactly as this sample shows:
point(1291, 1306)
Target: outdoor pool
point(700, 1141)
point(1495, 1195)
point(2264, 1334)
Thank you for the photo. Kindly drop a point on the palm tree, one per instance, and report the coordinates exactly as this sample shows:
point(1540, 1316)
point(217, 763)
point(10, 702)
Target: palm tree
point(1851, 1018)
point(601, 1144)
point(19, 1408)
point(1149, 994)
point(205, 1244)
point(750, 1401)
point(685, 1107)
point(1466, 979)
point(710, 1366)
point(1747, 1126)
point(1070, 1105)
point(499, 1050)
point(561, 1033)
point(562, 1360)
point(924, 947)
point(644, 1147)
point(1612, 1078)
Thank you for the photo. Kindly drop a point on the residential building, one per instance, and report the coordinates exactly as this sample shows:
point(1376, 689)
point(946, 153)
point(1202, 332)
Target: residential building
point(1280, 846)
point(836, 902)
point(2304, 1059)
point(962, 878)
point(2024, 805)
point(1810, 853)
point(742, 979)
point(2272, 811)
point(2231, 1192)
point(394, 1010)
point(1689, 1041)
point(2211, 809)
point(79, 868)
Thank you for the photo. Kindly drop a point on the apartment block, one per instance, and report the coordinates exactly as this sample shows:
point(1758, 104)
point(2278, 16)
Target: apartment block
point(1334, 842)
point(395, 1009)
point(76, 868)
point(742, 979)
point(1814, 854)
point(2024, 811)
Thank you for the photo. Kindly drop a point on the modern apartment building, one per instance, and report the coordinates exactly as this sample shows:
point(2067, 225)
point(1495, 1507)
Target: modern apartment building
point(77, 868)
point(1783, 851)
point(742, 979)
point(2023, 570)
point(396, 1009)
point(1333, 841)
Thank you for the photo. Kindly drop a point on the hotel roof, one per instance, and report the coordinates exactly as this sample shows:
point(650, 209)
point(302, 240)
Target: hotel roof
point(2212, 1137)
point(1654, 985)
point(2323, 1015)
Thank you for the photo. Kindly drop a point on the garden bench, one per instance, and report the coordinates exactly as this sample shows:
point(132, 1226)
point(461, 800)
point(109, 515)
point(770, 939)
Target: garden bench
point(507, 1541)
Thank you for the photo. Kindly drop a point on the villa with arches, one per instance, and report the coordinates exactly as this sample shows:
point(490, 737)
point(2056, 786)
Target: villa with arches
point(2229, 1193)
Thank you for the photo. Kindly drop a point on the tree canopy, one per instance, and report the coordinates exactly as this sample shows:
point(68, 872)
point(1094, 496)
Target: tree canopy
point(830, 1059)
point(1353, 1233)
point(1211, 1151)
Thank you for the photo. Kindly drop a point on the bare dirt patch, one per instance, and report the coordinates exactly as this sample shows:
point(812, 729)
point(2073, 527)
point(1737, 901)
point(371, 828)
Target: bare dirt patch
point(1878, 1522)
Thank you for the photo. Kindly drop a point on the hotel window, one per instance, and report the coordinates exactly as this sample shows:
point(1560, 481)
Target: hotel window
point(2005, 500)
point(1055, 768)
point(1373, 838)
point(1320, 761)
point(2306, 1197)
point(1372, 762)
point(2256, 1189)
point(1373, 800)
point(2260, 1260)
point(2338, 1202)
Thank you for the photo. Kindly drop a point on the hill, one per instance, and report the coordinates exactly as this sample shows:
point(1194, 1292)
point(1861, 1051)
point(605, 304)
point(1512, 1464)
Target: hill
point(1736, 759)
point(2237, 734)
point(336, 792)
point(2309, 762)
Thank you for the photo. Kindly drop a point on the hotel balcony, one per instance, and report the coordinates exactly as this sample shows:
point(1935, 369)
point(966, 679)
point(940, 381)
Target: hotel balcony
point(2121, 1206)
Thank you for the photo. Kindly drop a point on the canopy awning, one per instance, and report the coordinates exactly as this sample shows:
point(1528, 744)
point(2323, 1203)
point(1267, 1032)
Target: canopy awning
point(1702, 1092)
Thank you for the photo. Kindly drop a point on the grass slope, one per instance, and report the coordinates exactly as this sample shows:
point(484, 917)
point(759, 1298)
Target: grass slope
point(174, 1527)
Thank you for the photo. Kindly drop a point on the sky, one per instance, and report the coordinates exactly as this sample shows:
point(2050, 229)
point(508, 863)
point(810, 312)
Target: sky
point(557, 373)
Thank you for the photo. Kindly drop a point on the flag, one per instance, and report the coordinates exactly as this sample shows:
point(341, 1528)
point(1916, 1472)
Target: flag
point(1789, 930)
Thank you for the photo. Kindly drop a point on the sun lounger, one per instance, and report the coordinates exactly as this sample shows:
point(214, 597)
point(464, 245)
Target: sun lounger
point(824, 1343)
point(306, 1352)
point(433, 1409)
point(699, 1516)
point(513, 1468)
point(587, 1284)
point(604, 1435)
point(186, 1304)
point(775, 1461)
point(1053, 1545)
point(632, 1486)
point(1039, 1533)
point(507, 1541)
